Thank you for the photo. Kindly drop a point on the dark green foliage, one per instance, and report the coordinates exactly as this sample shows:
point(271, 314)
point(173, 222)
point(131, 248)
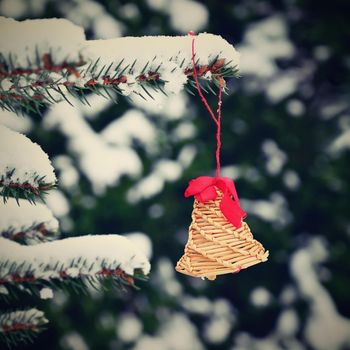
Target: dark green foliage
point(19, 329)
point(318, 205)
point(35, 95)
point(35, 233)
point(10, 187)
point(23, 276)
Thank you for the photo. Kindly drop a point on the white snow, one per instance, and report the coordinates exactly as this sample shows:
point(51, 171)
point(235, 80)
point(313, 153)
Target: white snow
point(129, 328)
point(249, 173)
point(147, 187)
point(26, 157)
point(282, 86)
point(186, 15)
point(187, 155)
point(171, 107)
point(25, 218)
point(176, 332)
point(4, 290)
point(73, 341)
point(103, 163)
point(158, 5)
point(169, 56)
point(94, 16)
point(288, 323)
point(288, 295)
point(175, 81)
point(106, 27)
point(6, 84)
point(173, 54)
point(46, 293)
point(196, 305)
point(184, 131)
point(142, 242)
point(13, 8)
point(21, 124)
point(322, 52)
point(263, 42)
point(168, 169)
point(260, 297)
point(233, 172)
point(165, 170)
point(295, 107)
point(97, 104)
point(31, 316)
point(273, 210)
point(165, 279)
point(334, 108)
point(275, 157)
point(291, 179)
point(244, 341)
point(217, 330)
point(68, 174)
point(340, 144)
point(46, 260)
point(325, 328)
point(58, 203)
point(341, 141)
point(108, 169)
point(219, 325)
point(129, 11)
point(179, 324)
point(21, 38)
point(287, 82)
point(177, 48)
point(130, 127)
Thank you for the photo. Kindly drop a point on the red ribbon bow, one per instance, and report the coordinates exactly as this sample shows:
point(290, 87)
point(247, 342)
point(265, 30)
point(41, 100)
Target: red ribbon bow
point(203, 189)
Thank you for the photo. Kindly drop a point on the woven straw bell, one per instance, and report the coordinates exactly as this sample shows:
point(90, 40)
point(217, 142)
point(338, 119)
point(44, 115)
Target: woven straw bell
point(219, 240)
point(215, 246)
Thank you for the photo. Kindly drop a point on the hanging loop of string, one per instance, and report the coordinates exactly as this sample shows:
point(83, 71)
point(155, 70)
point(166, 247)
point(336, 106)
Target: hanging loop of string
point(217, 119)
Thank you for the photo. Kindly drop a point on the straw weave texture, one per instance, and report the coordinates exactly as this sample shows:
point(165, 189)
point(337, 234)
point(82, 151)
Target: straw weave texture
point(215, 246)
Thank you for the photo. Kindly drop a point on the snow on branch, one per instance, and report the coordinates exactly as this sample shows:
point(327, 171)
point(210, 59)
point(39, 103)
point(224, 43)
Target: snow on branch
point(26, 223)
point(19, 326)
point(43, 61)
point(25, 169)
point(92, 257)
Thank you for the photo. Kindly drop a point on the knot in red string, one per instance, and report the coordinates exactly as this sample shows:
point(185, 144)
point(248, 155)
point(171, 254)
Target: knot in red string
point(203, 188)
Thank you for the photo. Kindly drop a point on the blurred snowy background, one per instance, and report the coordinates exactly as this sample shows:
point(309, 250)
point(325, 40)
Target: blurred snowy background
point(286, 139)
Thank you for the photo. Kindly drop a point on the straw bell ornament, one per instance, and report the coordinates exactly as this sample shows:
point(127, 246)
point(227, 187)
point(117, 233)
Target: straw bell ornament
point(219, 241)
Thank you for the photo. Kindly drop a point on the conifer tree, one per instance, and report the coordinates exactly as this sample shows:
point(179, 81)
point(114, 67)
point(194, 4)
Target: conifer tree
point(39, 67)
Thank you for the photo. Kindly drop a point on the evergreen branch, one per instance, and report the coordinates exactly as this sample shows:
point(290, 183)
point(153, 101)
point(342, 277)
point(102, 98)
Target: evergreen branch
point(73, 260)
point(32, 234)
point(44, 75)
point(14, 283)
point(26, 171)
point(49, 92)
point(26, 190)
point(21, 326)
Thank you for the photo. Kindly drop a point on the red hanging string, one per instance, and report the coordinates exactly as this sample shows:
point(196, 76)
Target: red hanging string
point(217, 119)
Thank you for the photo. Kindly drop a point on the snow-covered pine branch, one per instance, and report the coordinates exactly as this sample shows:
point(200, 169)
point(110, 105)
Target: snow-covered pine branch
point(26, 223)
point(88, 258)
point(25, 169)
point(42, 61)
point(18, 326)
